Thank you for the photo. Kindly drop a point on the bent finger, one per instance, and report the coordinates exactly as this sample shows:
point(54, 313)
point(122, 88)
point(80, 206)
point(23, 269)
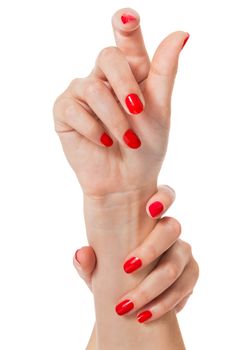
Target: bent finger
point(169, 269)
point(112, 64)
point(100, 99)
point(177, 293)
point(73, 116)
point(160, 202)
point(161, 238)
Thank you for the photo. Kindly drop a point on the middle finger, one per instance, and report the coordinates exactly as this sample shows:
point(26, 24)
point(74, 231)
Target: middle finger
point(113, 65)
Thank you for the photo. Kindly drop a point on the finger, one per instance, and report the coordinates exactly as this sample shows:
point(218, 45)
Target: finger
point(169, 269)
point(99, 98)
point(159, 84)
point(182, 303)
point(72, 116)
point(112, 64)
point(177, 294)
point(84, 261)
point(129, 39)
point(161, 238)
point(160, 202)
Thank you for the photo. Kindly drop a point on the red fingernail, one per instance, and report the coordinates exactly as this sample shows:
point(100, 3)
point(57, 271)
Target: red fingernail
point(132, 264)
point(127, 18)
point(134, 103)
point(106, 140)
point(131, 139)
point(144, 316)
point(185, 40)
point(124, 307)
point(76, 256)
point(156, 208)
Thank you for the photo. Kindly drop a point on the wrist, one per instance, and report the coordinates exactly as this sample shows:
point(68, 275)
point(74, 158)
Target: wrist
point(122, 211)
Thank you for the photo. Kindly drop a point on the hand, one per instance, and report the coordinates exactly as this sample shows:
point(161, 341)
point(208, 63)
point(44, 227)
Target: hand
point(94, 106)
point(169, 284)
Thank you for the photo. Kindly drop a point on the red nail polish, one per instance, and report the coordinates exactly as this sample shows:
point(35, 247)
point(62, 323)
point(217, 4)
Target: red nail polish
point(156, 208)
point(134, 103)
point(124, 307)
point(127, 18)
point(144, 316)
point(185, 40)
point(76, 256)
point(132, 264)
point(131, 139)
point(106, 140)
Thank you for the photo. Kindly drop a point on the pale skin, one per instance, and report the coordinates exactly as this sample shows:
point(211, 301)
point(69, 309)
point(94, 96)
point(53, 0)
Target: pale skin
point(172, 253)
point(117, 181)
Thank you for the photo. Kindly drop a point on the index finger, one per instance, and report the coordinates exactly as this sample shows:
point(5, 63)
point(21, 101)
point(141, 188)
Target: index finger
point(129, 39)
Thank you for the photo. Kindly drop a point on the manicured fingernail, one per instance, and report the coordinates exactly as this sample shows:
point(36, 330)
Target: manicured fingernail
point(144, 316)
point(185, 40)
point(124, 307)
point(76, 256)
point(131, 139)
point(127, 18)
point(156, 208)
point(106, 140)
point(132, 264)
point(134, 103)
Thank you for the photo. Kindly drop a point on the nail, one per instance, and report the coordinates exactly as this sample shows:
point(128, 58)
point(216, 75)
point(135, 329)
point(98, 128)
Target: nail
point(127, 18)
point(76, 256)
point(134, 103)
point(185, 40)
point(144, 316)
point(132, 264)
point(124, 307)
point(106, 140)
point(131, 139)
point(156, 208)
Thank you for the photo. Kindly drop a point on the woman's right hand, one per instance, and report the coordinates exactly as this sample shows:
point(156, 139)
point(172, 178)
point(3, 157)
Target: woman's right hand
point(114, 124)
point(169, 284)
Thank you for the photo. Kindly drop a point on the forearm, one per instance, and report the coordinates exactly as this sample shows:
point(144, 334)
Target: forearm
point(116, 225)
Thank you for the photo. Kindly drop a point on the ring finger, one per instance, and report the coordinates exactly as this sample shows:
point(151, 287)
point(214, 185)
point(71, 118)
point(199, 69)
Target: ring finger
point(174, 297)
point(170, 267)
point(99, 98)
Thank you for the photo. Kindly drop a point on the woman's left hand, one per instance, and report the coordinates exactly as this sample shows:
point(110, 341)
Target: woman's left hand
point(169, 284)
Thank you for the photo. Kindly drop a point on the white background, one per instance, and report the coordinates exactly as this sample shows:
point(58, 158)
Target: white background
point(45, 44)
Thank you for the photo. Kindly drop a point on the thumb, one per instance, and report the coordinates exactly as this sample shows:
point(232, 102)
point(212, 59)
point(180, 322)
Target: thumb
point(84, 261)
point(163, 71)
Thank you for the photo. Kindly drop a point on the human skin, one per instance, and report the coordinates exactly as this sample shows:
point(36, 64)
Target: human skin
point(118, 180)
point(176, 255)
point(163, 246)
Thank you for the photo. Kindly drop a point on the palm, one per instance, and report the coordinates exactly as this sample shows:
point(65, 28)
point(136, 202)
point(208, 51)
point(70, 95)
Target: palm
point(105, 170)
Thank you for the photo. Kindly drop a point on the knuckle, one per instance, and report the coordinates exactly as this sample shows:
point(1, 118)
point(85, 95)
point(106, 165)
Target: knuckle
point(73, 85)
point(94, 87)
point(150, 252)
point(107, 53)
point(172, 271)
point(196, 270)
point(174, 226)
point(57, 105)
point(188, 248)
point(143, 295)
point(162, 307)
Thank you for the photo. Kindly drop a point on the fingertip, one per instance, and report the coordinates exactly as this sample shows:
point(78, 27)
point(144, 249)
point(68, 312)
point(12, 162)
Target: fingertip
point(169, 191)
point(126, 19)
